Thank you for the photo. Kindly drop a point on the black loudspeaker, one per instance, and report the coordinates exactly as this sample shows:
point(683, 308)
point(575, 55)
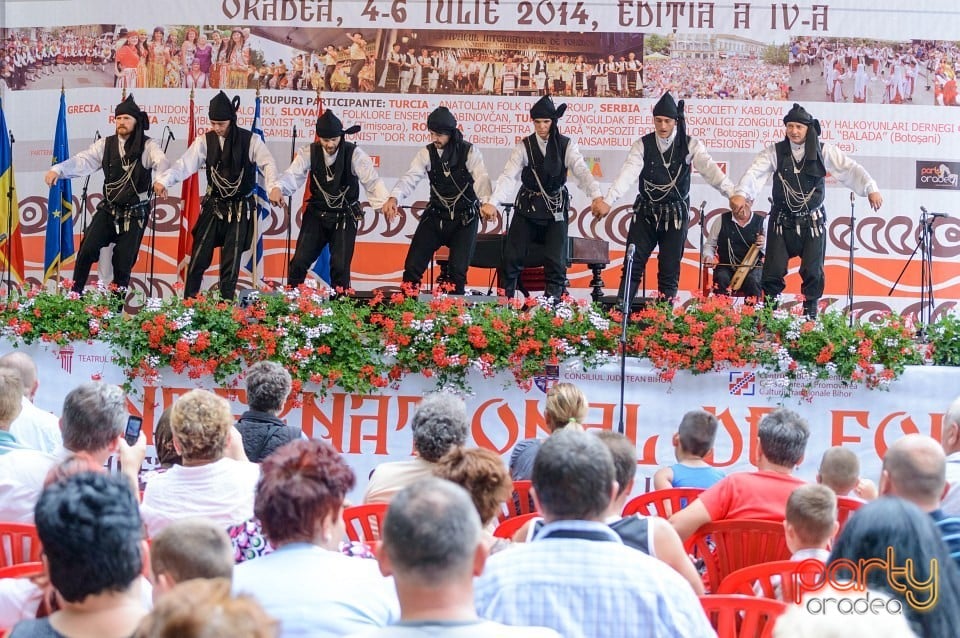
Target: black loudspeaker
point(488, 252)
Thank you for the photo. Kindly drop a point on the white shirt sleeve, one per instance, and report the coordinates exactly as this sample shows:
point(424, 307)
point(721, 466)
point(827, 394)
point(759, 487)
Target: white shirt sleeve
point(478, 170)
point(700, 159)
point(366, 172)
point(417, 171)
point(581, 172)
point(763, 166)
point(629, 174)
point(192, 161)
point(261, 156)
point(711, 238)
point(290, 180)
point(507, 182)
point(848, 172)
point(83, 163)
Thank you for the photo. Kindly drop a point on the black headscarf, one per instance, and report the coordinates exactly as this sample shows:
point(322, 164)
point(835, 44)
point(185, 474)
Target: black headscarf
point(813, 159)
point(223, 109)
point(133, 147)
point(544, 109)
point(442, 121)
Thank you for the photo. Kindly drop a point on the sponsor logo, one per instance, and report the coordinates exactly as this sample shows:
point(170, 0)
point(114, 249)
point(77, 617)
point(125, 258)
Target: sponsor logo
point(551, 374)
point(743, 384)
point(66, 358)
point(938, 175)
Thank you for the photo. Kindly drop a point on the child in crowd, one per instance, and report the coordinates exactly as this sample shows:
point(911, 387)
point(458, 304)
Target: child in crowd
point(840, 471)
point(811, 522)
point(692, 441)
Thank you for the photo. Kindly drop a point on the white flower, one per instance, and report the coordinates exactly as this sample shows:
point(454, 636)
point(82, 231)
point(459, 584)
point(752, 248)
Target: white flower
point(153, 304)
point(564, 311)
point(598, 321)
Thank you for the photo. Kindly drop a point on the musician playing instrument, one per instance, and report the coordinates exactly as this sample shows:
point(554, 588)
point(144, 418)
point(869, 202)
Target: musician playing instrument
point(734, 242)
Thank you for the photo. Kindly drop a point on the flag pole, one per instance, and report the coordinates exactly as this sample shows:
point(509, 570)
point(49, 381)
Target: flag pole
point(255, 270)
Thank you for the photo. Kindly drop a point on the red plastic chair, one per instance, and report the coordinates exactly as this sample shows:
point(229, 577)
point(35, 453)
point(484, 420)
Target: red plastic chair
point(782, 575)
point(22, 570)
point(520, 502)
point(19, 543)
point(512, 525)
point(363, 522)
point(846, 506)
point(662, 503)
point(742, 616)
point(726, 546)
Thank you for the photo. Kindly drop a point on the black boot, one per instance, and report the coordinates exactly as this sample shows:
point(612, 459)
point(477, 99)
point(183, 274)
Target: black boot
point(810, 308)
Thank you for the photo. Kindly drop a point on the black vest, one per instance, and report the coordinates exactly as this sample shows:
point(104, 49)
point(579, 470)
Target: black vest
point(448, 186)
point(112, 166)
point(655, 172)
point(535, 158)
point(344, 181)
point(803, 181)
point(634, 532)
point(249, 178)
point(733, 237)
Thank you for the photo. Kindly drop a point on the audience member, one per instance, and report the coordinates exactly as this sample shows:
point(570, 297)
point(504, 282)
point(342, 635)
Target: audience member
point(652, 535)
point(204, 608)
point(693, 441)
point(94, 417)
point(432, 547)
point(759, 495)
point(566, 406)
point(187, 549)
point(577, 576)
point(33, 427)
point(914, 469)
point(268, 386)
point(482, 473)
point(10, 396)
point(440, 423)
point(840, 471)
point(309, 586)
point(951, 447)
point(811, 522)
point(208, 484)
point(895, 528)
point(93, 551)
point(167, 455)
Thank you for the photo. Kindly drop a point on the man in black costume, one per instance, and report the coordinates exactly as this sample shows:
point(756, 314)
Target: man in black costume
point(231, 156)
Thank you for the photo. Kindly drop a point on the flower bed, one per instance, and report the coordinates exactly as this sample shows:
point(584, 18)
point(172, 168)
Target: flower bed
point(363, 346)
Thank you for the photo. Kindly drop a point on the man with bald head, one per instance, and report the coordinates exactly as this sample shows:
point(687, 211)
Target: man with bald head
point(914, 469)
point(33, 428)
point(951, 447)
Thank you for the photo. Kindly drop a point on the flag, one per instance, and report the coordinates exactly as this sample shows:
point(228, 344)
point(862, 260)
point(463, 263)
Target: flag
point(190, 198)
point(255, 264)
point(11, 239)
point(58, 244)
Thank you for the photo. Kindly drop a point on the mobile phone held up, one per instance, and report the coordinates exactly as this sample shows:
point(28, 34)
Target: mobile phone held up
point(132, 432)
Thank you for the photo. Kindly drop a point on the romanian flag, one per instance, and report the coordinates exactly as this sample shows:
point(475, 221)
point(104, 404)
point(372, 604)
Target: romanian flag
point(190, 199)
point(58, 247)
point(11, 240)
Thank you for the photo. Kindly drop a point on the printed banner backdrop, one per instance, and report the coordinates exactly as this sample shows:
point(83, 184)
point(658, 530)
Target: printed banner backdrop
point(881, 77)
point(371, 429)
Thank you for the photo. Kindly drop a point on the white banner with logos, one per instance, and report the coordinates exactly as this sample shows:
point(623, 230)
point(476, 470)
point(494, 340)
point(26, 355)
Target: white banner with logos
point(371, 429)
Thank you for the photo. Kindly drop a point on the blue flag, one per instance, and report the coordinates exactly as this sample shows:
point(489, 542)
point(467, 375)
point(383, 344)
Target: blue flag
point(59, 240)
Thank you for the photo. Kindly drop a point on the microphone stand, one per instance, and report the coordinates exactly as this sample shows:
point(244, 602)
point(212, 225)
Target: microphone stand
point(703, 221)
point(286, 262)
point(507, 207)
point(8, 245)
point(83, 194)
point(926, 267)
point(850, 274)
point(624, 320)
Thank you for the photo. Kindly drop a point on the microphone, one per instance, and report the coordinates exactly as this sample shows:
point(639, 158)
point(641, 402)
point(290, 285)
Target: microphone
point(923, 210)
point(170, 133)
point(703, 206)
point(852, 197)
point(631, 249)
point(12, 141)
point(96, 135)
point(935, 215)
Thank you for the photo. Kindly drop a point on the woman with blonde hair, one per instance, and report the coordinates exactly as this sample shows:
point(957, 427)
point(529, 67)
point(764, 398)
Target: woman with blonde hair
point(566, 407)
